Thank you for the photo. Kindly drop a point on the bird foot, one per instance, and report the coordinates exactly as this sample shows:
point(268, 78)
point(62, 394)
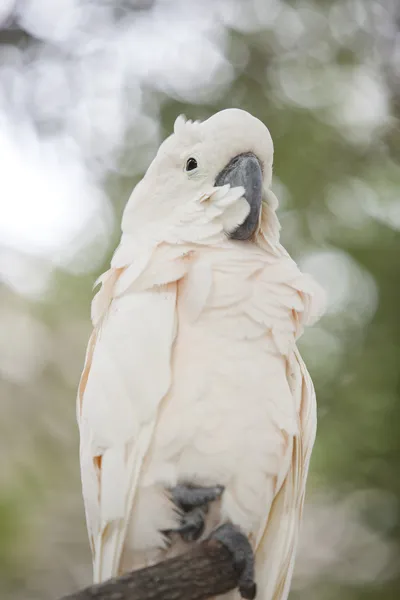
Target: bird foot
point(193, 501)
point(243, 557)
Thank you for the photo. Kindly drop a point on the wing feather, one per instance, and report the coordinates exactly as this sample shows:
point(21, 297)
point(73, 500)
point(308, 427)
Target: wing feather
point(276, 301)
point(302, 300)
point(127, 374)
point(277, 545)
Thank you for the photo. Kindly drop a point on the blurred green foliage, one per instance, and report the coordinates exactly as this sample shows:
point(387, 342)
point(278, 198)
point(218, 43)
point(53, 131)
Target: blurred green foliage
point(338, 179)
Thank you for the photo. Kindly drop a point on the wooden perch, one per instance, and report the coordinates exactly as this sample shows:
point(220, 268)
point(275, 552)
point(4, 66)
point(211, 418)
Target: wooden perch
point(206, 570)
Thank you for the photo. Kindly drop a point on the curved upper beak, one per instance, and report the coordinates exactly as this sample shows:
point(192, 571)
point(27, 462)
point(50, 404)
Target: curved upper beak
point(245, 170)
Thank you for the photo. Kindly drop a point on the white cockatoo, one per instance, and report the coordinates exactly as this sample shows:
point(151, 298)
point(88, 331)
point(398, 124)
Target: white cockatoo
point(196, 412)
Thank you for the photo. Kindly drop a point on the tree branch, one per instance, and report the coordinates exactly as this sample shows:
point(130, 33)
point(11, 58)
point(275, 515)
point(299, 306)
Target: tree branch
point(206, 570)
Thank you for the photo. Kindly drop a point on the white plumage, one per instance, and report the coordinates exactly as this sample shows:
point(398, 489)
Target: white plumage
point(192, 371)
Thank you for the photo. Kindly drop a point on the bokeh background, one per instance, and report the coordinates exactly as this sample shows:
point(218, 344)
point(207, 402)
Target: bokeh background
point(88, 89)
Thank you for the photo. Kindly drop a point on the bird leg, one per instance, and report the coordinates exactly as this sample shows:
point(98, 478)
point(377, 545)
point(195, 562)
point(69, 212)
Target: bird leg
point(193, 502)
point(243, 557)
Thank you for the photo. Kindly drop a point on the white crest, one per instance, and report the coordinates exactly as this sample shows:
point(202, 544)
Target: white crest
point(180, 124)
point(186, 129)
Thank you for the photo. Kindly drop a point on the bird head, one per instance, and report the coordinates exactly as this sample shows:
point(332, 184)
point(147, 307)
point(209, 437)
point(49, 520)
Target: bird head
point(231, 147)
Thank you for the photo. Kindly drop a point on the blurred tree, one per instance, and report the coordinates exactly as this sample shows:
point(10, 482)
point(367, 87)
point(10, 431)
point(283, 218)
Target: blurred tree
point(324, 77)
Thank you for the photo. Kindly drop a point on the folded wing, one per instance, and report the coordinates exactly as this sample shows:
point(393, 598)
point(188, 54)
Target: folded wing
point(126, 376)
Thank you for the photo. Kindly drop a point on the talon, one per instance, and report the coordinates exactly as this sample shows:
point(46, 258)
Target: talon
point(191, 527)
point(187, 497)
point(243, 557)
point(193, 502)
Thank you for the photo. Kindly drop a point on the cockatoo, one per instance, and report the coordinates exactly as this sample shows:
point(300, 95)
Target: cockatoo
point(197, 414)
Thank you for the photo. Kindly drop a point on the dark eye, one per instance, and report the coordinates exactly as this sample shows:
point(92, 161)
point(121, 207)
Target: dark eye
point(191, 164)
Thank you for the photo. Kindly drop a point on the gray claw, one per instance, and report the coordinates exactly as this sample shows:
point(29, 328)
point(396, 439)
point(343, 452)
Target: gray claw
point(192, 525)
point(238, 544)
point(187, 496)
point(193, 502)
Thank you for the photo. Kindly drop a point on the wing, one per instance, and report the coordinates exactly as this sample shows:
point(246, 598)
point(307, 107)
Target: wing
point(127, 373)
point(276, 549)
point(270, 298)
point(298, 301)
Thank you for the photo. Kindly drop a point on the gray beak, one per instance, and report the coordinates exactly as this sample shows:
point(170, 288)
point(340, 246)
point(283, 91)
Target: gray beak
point(245, 170)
